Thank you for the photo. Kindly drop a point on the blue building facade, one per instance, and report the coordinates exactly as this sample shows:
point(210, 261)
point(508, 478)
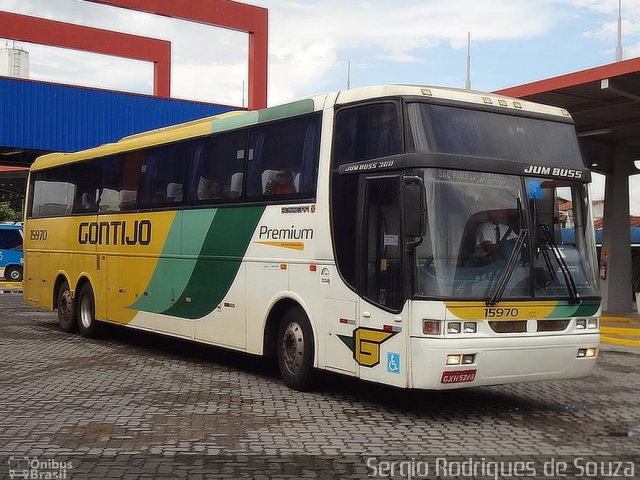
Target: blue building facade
point(43, 117)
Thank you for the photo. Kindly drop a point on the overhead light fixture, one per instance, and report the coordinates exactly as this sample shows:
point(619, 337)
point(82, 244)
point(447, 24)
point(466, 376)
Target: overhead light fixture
point(592, 133)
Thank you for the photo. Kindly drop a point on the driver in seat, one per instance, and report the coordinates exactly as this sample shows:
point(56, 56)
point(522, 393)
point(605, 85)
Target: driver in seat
point(492, 232)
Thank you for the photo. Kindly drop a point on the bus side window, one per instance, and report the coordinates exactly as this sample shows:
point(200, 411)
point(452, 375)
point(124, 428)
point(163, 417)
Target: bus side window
point(163, 175)
point(53, 193)
point(111, 184)
point(366, 132)
point(131, 168)
point(283, 158)
point(215, 168)
point(87, 179)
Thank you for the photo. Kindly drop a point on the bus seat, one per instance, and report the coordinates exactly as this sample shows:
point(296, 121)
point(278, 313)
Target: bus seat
point(109, 200)
point(203, 190)
point(88, 201)
point(235, 189)
point(296, 181)
point(53, 210)
point(268, 176)
point(174, 192)
point(128, 198)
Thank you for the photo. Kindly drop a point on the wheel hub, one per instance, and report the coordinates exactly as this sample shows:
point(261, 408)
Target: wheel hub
point(293, 347)
point(85, 311)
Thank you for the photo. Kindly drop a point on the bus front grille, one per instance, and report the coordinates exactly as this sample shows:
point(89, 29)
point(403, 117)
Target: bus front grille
point(552, 325)
point(511, 326)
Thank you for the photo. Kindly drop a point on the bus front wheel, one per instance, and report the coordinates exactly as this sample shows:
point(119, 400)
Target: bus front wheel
point(295, 349)
point(13, 274)
point(66, 309)
point(86, 312)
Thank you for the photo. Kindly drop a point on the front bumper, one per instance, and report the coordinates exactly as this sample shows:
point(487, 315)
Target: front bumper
point(499, 360)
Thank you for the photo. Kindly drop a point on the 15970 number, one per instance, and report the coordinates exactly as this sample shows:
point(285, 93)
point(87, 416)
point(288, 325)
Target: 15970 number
point(38, 234)
point(501, 312)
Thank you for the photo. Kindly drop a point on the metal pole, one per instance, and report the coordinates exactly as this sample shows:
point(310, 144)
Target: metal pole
point(467, 83)
point(619, 44)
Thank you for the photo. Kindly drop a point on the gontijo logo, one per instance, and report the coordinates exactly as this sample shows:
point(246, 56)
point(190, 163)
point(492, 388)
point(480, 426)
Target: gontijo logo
point(117, 232)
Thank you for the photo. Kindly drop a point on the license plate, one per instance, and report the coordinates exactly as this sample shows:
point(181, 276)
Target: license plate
point(458, 376)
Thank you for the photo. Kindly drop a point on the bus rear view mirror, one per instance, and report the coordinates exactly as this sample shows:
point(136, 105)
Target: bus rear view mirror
point(415, 224)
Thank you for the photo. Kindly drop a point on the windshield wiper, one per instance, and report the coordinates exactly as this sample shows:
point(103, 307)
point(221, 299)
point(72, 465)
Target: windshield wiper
point(568, 278)
point(511, 265)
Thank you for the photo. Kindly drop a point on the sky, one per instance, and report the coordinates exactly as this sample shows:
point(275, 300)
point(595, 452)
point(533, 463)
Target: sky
point(386, 41)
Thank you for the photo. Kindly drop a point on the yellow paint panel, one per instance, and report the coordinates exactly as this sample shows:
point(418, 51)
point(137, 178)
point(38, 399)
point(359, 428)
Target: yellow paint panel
point(290, 245)
point(503, 311)
point(118, 253)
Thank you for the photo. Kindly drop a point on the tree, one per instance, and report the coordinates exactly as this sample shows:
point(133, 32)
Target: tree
point(11, 210)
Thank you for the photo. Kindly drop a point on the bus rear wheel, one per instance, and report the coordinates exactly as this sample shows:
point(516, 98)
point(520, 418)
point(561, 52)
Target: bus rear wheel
point(86, 312)
point(13, 273)
point(67, 318)
point(295, 350)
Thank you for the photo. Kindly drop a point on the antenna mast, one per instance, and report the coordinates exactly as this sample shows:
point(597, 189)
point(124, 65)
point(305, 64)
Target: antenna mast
point(467, 83)
point(619, 45)
point(348, 74)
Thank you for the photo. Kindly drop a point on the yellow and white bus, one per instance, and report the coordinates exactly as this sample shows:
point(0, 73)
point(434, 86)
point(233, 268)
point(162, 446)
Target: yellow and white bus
point(413, 236)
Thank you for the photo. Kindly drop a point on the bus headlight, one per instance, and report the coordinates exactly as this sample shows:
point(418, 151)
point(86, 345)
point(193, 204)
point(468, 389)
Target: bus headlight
point(468, 359)
point(453, 327)
point(581, 323)
point(470, 327)
point(454, 359)
point(431, 327)
point(587, 352)
point(592, 323)
point(458, 359)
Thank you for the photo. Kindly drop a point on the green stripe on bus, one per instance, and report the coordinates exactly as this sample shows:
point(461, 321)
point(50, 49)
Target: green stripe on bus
point(218, 263)
point(172, 275)
point(585, 308)
point(288, 110)
point(236, 121)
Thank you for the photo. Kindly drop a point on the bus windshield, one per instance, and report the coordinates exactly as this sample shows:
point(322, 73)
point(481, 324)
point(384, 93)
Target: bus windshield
point(475, 220)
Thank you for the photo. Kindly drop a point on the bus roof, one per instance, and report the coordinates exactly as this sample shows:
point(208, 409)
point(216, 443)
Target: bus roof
point(237, 119)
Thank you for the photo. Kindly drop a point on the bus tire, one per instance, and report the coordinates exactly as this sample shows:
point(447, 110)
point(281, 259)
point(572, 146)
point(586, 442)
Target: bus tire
point(295, 349)
point(86, 312)
point(13, 273)
point(67, 318)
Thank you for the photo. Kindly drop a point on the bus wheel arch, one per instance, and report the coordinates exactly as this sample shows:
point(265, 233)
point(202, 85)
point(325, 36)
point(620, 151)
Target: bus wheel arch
point(289, 336)
point(64, 303)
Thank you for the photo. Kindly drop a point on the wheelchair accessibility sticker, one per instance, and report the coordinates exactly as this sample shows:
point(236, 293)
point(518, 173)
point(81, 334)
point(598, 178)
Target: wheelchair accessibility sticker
point(393, 362)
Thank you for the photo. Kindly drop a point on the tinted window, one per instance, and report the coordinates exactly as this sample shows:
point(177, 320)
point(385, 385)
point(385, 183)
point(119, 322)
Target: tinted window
point(120, 175)
point(283, 158)
point(162, 172)
point(382, 244)
point(216, 168)
point(87, 177)
point(10, 239)
point(445, 129)
point(53, 193)
point(365, 132)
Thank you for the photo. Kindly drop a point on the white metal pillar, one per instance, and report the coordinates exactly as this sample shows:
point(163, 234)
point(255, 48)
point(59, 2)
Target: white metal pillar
point(616, 241)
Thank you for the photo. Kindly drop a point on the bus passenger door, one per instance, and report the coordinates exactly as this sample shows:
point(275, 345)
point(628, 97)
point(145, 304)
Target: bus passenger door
point(380, 341)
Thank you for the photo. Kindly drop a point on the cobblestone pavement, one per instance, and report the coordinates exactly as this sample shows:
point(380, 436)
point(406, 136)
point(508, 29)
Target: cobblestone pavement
point(171, 408)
